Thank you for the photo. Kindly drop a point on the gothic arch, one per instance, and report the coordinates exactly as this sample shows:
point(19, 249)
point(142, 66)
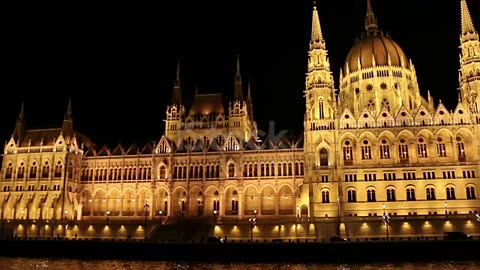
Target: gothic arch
point(324, 157)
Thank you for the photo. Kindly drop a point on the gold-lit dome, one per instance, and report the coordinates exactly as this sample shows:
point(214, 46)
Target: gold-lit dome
point(378, 46)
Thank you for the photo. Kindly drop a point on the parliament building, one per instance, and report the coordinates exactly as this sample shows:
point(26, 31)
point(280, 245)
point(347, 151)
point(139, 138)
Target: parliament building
point(376, 160)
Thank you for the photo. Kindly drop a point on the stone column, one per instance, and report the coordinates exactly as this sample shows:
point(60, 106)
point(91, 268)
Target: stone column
point(240, 204)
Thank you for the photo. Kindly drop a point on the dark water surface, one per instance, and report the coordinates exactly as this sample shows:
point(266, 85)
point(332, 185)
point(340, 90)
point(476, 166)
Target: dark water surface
point(7, 263)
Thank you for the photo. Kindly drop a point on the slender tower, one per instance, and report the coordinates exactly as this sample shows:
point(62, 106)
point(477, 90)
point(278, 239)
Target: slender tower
point(175, 111)
point(469, 75)
point(67, 126)
point(319, 123)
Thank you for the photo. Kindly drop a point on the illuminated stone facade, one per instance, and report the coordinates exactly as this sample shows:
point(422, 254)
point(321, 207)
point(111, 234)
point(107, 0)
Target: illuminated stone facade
point(377, 147)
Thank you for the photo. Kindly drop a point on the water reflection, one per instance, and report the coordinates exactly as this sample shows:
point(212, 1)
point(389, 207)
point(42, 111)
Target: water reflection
point(72, 264)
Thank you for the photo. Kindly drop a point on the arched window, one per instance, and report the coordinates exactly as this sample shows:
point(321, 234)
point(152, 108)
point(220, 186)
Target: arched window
point(391, 195)
point(21, 171)
point(422, 148)
point(321, 109)
point(325, 196)
point(347, 152)
point(163, 173)
point(410, 194)
point(33, 170)
point(384, 149)
point(441, 150)
point(371, 196)
point(351, 195)
point(58, 169)
point(402, 150)
point(461, 150)
point(470, 193)
point(430, 194)
point(8, 174)
point(323, 157)
point(450, 193)
point(366, 150)
point(231, 170)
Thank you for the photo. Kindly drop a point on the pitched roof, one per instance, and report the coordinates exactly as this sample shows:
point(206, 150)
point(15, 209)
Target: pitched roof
point(207, 104)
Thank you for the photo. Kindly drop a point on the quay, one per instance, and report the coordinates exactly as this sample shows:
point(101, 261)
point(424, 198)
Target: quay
point(274, 251)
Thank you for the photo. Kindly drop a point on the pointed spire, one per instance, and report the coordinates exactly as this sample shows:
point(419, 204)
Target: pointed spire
point(177, 78)
point(238, 94)
point(370, 20)
point(467, 25)
point(21, 115)
point(177, 91)
point(196, 89)
point(316, 40)
point(249, 103)
point(20, 124)
point(67, 127)
point(68, 113)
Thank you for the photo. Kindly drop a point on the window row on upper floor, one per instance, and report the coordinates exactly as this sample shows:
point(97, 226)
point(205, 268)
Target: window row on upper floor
point(407, 175)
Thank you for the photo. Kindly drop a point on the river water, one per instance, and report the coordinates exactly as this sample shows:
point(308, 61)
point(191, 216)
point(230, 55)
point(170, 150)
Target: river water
point(7, 263)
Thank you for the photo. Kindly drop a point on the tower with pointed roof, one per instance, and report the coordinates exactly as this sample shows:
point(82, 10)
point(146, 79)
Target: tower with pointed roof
point(19, 125)
point(176, 110)
point(240, 119)
point(320, 114)
point(469, 74)
point(67, 126)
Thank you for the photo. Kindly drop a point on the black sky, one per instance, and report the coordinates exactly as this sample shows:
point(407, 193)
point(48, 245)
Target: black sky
point(117, 61)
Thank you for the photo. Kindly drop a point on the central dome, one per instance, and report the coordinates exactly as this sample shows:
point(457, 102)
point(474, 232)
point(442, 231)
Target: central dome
point(378, 46)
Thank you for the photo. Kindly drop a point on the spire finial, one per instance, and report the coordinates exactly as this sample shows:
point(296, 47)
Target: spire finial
point(21, 114)
point(467, 25)
point(68, 113)
point(370, 20)
point(177, 78)
point(177, 91)
point(316, 40)
point(238, 91)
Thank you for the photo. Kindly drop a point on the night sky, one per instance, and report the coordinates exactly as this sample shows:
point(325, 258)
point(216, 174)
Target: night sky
point(118, 62)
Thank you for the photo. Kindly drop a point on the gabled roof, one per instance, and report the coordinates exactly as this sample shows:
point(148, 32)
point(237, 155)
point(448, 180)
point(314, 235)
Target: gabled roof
point(90, 152)
point(40, 137)
point(104, 151)
point(118, 151)
point(147, 149)
point(132, 150)
point(214, 146)
point(181, 147)
point(198, 147)
point(251, 144)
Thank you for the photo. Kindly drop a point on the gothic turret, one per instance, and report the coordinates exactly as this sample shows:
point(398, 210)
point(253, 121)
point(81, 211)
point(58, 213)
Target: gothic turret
point(19, 125)
point(176, 110)
point(67, 126)
point(320, 93)
point(469, 77)
point(240, 118)
point(320, 115)
point(238, 91)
